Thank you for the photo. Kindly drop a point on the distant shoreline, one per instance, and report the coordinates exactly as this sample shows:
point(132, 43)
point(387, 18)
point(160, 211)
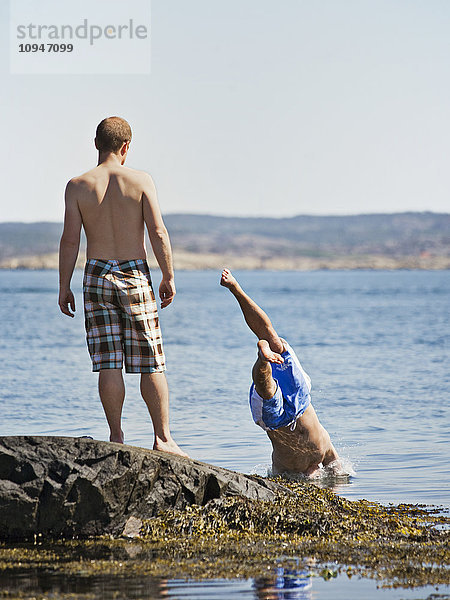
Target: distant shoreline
point(412, 241)
point(186, 261)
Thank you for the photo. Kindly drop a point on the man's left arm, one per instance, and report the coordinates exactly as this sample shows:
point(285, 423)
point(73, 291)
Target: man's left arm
point(68, 250)
point(160, 241)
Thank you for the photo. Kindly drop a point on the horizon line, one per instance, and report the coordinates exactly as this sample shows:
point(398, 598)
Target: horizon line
point(275, 218)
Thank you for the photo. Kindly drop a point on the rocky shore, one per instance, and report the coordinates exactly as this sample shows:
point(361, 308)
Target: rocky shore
point(95, 509)
point(62, 486)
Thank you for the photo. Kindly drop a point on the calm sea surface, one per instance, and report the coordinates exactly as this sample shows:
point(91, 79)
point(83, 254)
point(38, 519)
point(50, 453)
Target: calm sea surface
point(376, 345)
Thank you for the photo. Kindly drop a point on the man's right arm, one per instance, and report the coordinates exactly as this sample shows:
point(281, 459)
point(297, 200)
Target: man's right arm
point(160, 241)
point(68, 250)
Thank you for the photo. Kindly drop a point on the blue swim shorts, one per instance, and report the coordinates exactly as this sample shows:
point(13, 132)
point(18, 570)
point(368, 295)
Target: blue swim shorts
point(291, 398)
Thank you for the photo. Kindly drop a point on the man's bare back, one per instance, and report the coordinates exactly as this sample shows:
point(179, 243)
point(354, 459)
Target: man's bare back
point(304, 444)
point(110, 201)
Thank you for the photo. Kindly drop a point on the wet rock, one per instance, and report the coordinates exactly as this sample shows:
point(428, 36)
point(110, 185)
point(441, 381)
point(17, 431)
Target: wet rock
point(61, 486)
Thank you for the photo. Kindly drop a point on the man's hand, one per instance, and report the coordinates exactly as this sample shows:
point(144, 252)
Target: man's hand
point(166, 292)
point(68, 249)
point(66, 300)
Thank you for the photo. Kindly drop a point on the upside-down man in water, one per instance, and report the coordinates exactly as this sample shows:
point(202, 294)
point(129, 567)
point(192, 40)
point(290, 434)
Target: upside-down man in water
point(279, 396)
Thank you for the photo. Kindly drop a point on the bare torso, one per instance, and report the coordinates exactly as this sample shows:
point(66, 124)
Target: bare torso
point(304, 448)
point(110, 202)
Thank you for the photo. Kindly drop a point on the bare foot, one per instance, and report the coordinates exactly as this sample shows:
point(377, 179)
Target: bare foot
point(266, 354)
point(227, 280)
point(119, 439)
point(169, 446)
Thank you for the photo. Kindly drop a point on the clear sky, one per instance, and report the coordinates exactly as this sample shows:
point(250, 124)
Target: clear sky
point(252, 107)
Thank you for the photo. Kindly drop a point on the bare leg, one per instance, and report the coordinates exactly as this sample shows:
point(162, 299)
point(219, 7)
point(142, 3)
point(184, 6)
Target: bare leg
point(263, 380)
point(155, 393)
point(112, 394)
point(254, 316)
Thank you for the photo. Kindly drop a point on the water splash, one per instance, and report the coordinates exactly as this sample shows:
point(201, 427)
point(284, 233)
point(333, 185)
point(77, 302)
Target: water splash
point(335, 473)
point(262, 469)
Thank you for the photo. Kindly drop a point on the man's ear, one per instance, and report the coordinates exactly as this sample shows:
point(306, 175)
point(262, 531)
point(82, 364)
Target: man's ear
point(95, 143)
point(124, 148)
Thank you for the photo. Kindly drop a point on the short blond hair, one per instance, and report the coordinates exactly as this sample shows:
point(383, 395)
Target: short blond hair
point(111, 134)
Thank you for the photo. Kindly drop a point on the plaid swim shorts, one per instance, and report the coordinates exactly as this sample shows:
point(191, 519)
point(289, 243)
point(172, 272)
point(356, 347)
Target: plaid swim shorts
point(121, 316)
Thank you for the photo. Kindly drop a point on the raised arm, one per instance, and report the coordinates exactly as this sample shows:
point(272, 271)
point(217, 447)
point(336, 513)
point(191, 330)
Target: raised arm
point(159, 239)
point(68, 250)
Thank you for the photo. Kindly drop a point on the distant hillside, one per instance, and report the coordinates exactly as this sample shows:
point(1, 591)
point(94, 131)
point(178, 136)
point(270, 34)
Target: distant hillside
point(204, 241)
point(402, 234)
point(21, 239)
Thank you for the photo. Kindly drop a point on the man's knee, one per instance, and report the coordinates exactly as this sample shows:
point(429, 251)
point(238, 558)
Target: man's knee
point(110, 375)
point(154, 375)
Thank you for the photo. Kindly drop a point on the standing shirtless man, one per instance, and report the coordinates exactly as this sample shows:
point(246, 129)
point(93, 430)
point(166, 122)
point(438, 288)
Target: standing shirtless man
point(112, 203)
point(279, 396)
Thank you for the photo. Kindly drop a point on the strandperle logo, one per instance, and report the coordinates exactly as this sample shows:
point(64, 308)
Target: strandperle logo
point(84, 31)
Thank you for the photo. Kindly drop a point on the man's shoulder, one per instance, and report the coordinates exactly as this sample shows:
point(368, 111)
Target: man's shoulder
point(135, 174)
point(139, 180)
point(80, 180)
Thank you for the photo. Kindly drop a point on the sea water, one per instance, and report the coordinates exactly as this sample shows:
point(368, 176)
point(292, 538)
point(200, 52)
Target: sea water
point(376, 345)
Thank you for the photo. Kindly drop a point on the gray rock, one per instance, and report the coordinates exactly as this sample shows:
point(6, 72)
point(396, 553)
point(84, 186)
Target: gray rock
point(61, 486)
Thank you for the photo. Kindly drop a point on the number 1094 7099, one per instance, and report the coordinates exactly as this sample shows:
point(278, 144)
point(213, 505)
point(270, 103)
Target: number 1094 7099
point(45, 47)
